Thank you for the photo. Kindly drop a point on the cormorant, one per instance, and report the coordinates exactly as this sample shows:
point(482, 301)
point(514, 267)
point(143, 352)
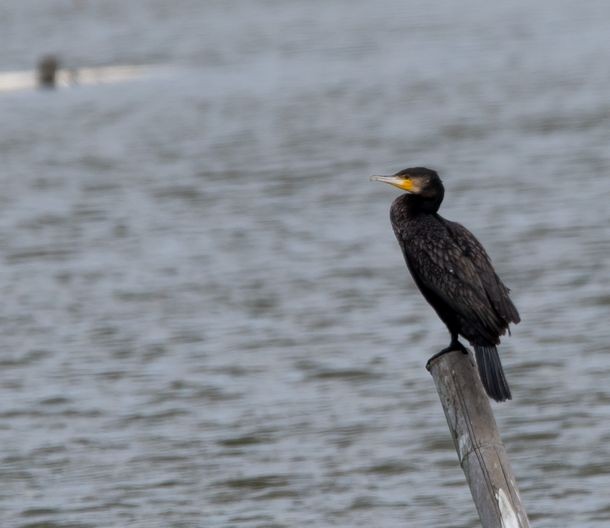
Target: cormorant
point(453, 272)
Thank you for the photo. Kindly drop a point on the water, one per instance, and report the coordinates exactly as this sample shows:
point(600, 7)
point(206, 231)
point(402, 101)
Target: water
point(205, 319)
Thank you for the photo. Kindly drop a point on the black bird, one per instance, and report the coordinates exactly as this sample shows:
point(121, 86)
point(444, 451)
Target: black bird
point(453, 272)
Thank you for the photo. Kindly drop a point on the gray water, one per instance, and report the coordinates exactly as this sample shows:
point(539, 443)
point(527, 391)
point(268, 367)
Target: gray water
point(205, 318)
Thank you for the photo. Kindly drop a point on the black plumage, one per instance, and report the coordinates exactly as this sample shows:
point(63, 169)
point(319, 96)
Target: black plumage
point(453, 272)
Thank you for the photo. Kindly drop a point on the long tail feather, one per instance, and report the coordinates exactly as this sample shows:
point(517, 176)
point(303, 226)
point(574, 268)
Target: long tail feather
point(491, 372)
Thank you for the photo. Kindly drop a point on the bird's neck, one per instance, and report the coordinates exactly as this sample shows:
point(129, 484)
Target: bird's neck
point(415, 205)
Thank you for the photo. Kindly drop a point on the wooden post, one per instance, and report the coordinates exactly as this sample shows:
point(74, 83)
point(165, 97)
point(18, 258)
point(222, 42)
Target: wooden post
point(47, 71)
point(477, 441)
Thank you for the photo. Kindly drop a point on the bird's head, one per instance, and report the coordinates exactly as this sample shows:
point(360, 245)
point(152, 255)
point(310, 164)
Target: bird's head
point(417, 180)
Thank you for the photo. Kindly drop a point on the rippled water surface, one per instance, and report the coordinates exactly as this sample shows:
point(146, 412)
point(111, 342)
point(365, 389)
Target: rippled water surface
point(205, 318)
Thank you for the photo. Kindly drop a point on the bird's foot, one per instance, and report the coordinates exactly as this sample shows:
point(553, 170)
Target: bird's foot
point(454, 346)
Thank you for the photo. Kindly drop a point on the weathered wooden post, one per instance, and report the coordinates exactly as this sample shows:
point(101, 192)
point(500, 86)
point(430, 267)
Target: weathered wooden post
point(477, 441)
point(47, 71)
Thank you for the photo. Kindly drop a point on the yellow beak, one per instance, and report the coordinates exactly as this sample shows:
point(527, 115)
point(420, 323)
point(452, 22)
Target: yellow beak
point(406, 184)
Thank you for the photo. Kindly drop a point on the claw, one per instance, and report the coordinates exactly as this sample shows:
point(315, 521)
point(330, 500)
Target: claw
point(454, 346)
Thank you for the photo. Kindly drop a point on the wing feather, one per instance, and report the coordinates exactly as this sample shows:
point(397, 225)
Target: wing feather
point(458, 270)
point(496, 291)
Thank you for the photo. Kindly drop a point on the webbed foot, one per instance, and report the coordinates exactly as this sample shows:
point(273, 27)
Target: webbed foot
point(455, 345)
